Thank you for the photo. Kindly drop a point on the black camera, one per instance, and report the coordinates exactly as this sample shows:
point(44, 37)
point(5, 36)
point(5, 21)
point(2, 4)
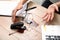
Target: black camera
point(18, 25)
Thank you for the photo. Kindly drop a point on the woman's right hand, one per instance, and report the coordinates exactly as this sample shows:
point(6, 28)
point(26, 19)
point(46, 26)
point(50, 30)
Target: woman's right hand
point(13, 16)
point(14, 13)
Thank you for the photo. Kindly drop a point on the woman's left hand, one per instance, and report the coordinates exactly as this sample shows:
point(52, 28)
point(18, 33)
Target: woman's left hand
point(49, 14)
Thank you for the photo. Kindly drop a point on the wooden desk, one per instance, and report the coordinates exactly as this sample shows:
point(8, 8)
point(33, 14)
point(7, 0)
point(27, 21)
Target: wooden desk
point(33, 33)
point(39, 11)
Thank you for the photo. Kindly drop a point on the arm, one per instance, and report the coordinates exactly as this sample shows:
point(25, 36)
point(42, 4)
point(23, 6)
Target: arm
point(58, 4)
point(49, 15)
point(19, 6)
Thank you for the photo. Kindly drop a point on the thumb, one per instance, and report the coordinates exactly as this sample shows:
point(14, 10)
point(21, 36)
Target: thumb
point(56, 8)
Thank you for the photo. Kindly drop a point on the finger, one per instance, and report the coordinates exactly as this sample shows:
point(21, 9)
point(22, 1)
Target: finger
point(45, 15)
point(14, 11)
point(52, 16)
point(57, 8)
point(45, 18)
point(48, 19)
point(13, 18)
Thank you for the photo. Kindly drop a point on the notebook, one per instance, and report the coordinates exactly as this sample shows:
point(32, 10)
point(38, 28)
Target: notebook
point(50, 32)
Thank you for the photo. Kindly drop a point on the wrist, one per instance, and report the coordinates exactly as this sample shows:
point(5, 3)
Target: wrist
point(58, 4)
point(54, 7)
point(19, 7)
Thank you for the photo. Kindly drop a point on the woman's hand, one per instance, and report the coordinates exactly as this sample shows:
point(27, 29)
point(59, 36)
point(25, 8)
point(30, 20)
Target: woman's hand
point(13, 16)
point(14, 13)
point(49, 14)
